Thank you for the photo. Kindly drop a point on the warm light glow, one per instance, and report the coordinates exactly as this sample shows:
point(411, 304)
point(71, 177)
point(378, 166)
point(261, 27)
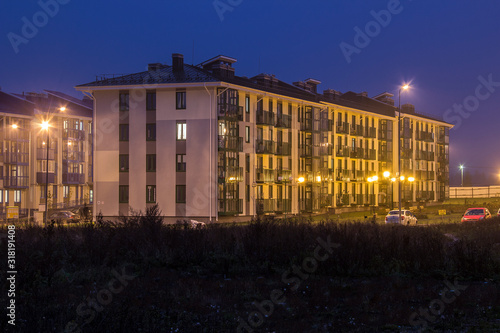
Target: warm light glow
point(43, 143)
point(45, 125)
point(300, 180)
point(62, 108)
point(14, 126)
point(461, 166)
point(411, 179)
point(69, 143)
point(369, 179)
point(375, 178)
point(230, 178)
point(402, 178)
point(393, 179)
point(318, 178)
point(406, 86)
point(387, 174)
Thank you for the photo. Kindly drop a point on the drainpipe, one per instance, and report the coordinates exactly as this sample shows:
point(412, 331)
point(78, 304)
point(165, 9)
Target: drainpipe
point(94, 161)
point(210, 143)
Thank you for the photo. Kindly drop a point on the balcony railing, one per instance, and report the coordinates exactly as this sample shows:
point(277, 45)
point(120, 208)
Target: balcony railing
point(325, 125)
point(70, 133)
point(265, 146)
point(357, 152)
point(16, 182)
point(265, 175)
point(370, 154)
point(230, 143)
point(383, 135)
point(41, 177)
point(232, 112)
point(283, 176)
point(371, 132)
point(342, 151)
point(41, 154)
point(73, 178)
point(73, 155)
point(283, 148)
point(264, 118)
point(230, 174)
point(342, 128)
point(343, 200)
point(16, 158)
point(284, 121)
point(326, 174)
point(424, 136)
point(230, 206)
point(384, 156)
point(265, 206)
point(343, 175)
point(325, 149)
point(358, 175)
point(284, 205)
point(356, 130)
point(425, 195)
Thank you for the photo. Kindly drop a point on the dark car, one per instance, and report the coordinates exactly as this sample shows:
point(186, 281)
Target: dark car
point(65, 216)
point(476, 214)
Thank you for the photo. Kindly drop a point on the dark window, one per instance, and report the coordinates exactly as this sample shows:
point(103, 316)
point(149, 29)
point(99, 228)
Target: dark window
point(1, 171)
point(180, 195)
point(150, 132)
point(151, 193)
point(124, 163)
point(180, 101)
point(123, 132)
point(123, 195)
point(247, 134)
point(181, 163)
point(247, 194)
point(151, 100)
point(247, 104)
point(150, 162)
point(124, 97)
point(247, 163)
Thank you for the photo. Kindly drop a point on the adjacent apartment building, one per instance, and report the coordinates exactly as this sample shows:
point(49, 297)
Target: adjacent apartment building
point(25, 163)
point(203, 142)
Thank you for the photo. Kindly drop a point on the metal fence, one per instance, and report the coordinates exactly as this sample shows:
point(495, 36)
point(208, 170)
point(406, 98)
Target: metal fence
point(475, 192)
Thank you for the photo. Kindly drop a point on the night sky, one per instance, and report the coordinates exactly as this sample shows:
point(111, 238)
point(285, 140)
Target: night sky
point(448, 50)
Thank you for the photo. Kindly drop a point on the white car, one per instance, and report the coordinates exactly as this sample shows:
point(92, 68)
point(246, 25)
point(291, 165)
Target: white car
point(407, 217)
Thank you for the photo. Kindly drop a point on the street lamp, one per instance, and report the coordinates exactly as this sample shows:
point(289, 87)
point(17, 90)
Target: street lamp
point(462, 172)
point(405, 87)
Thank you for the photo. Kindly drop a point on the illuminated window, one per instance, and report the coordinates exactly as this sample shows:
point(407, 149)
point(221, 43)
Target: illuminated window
point(181, 130)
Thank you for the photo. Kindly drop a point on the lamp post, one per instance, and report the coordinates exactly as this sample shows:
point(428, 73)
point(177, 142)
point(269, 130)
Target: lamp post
point(462, 172)
point(405, 87)
point(45, 126)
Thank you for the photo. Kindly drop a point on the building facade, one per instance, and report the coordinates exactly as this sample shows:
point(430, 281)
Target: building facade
point(27, 165)
point(202, 142)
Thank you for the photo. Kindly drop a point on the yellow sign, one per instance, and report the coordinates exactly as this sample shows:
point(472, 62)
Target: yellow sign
point(442, 212)
point(12, 212)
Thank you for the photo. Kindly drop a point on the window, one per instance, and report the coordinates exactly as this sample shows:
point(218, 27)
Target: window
point(247, 134)
point(151, 163)
point(181, 163)
point(123, 194)
point(1, 196)
point(66, 191)
point(181, 130)
point(123, 132)
point(180, 195)
point(54, 192)
point(247, 104)
point(180, 101)
point(124, 98)
point(7, 196)
point(151, 193)
point(1, 171)
point(124, 163)
point(247, 192)
point(247, 163)
point(150, 132)
point(151, 100)
point(91, 196)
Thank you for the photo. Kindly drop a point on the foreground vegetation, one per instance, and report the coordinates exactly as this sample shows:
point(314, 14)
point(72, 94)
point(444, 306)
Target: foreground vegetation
point(142, 276)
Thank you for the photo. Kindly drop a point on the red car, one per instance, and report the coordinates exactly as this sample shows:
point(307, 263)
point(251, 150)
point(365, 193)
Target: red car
point(476, 214)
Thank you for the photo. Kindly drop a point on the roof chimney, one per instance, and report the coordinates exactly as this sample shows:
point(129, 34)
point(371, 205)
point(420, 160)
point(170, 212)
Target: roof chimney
point(177, 62)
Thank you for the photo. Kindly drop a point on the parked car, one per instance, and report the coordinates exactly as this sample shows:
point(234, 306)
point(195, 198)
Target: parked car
point(407, 217)
point(476, 214)
point(65, 216)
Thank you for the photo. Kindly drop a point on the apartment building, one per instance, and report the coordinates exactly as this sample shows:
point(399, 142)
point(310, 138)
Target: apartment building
point(203, 142)
point(25, 156)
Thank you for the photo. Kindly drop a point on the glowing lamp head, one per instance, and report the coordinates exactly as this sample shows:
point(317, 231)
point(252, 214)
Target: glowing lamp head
point(62, 108)
point(405, 87)
point(370, 179)
point(402, 178)
point(45, 125)
point(14, 126)
point(411, 179)
point(300, 179)
point(393, 179)
point(387, 174)
point(375, 178)
point(461, 166)
point(318, 179)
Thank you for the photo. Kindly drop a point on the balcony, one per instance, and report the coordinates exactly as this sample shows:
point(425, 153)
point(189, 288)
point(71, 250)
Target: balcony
point(443, 139)
point(16, 182)
point(264, 118)
point(41, 153)
point(356, 130)
point(308, 125)
point(325, 125)
point(384, 156)
point(357, 152)
point(325, 200)
point(230, 174)
point(284, 121)
point(343, 200)
point(265, 206)
point(424, 136)
point(343, 175)
point(284, 205)
point(443, 176)
point(16, 158)
point(370, 132)
point(342, 151)
point(406, 153)
point(283, 176)
point(370, 154)
point(425, 195)
point(70, 133)
point(230, 112)
point(443, 158)
point(384, 135)
point(308, 151)
point(342, 128)
point(326, 174)
point(78, 156)
point(73, 178)
point(358, 175)
point(325, 149)
point(265, 175)
point(41, 177)
point(265, 147)
point(230, 143)
point(407, 132)
point(283, 148)
point(230, 206)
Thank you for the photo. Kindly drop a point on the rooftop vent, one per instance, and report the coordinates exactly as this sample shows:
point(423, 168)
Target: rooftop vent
point(154, 67)
point(220, 66)
point(177, 62)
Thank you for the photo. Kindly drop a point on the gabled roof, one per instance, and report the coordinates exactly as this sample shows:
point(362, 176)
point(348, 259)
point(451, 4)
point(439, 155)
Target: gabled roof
point(10, 103)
